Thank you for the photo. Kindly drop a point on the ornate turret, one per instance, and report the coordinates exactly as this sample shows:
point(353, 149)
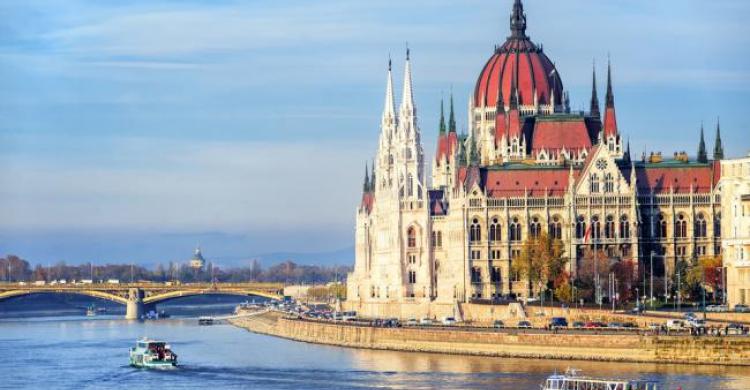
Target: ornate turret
point(718, 147)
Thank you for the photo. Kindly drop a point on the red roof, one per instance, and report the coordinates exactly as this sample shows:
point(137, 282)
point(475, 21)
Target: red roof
point(368, 199)
point(535, 71)
point(680, 178)
point(446, 146)
point(556, 135)
point(515, 182)
point(610, 122)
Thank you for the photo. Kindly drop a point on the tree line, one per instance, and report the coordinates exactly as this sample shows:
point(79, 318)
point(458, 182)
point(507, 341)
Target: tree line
point(15, 269)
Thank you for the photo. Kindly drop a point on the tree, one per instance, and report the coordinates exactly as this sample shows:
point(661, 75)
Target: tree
point(563, 289)
point(540, 262)
point(705, 273)
point(624, 272)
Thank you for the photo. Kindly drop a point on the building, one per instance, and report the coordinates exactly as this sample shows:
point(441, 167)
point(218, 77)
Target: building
point(735, 207)
point(528, 164)
point(197, 262)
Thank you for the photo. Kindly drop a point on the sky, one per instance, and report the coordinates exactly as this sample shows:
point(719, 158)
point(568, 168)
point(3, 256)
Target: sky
point(134, 131)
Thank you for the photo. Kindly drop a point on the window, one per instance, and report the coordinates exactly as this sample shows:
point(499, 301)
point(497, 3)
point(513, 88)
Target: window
point(411, 238)
point(495, 230)
point(609, 227)
point(412, 259)
point(681, 251)
point(515, 253)
point(680, 227)
point(661, 227)
point(580, 227)
point(495, 254)
point(495, 275)
point(409, 185)
point(595, 227)
point(555, 228)
point(437, 239)
point(535, 228)
point(609, 183)
point(700, 226)
point(624, 227)
point(476, 275)
point(717, 226)
point(476, 255)
point(700, 250)
point(412, 277)
point(475, 232)
point(515, 230)
point(594, 183)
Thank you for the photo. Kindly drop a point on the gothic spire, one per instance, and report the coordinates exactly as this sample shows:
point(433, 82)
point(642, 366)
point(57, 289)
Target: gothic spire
point(372, 177)
point(442, 118)
point(626, 156)
point(389, 110)
point(366, 186)
point(473, 153)
point(594, 97)
point(718, 147)
point(702, 155)
point(407, 101)
point(518, 21)
point(461, 155)
point(452, 117)
point(610, 118)
point(610, 96)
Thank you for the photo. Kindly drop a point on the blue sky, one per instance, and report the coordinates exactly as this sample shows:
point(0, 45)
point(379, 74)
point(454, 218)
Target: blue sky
point(130, 131)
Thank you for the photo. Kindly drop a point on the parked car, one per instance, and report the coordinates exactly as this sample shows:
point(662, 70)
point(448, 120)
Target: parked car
point(524, 324)
point(735, 328)
point(696, 323)
point(690, 315)
point(675, 324)
point(558, 322)
point(412, 322)
point(498, 324)
point(615, 325)
point(741, 309)
point(448, 321)
point(654, 326)
point(349, 316)
point(594, 324)
point(630, 325)
point(578, 324)
point(425, 321)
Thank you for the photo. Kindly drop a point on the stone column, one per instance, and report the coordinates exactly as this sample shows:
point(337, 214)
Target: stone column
point(135, 308)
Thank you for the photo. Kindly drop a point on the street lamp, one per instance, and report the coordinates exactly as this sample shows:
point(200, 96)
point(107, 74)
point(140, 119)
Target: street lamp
point(651, 274)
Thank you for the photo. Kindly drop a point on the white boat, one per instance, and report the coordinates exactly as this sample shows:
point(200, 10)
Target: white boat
point(152, 354)
point(571, 380)
point(206, 320)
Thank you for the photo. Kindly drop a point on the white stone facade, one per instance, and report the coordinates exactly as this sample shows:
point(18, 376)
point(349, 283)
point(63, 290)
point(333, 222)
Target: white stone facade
point(735, 205)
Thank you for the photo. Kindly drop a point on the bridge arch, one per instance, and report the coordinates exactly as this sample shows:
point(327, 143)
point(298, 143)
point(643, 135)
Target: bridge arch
point(91, 293)
point(167, 296)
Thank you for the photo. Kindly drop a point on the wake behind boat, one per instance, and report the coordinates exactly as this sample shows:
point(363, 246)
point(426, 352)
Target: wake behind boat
point(152, 354)
point(572, 381)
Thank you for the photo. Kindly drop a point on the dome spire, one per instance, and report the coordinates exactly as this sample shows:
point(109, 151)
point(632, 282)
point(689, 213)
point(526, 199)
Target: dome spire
point(518, 21)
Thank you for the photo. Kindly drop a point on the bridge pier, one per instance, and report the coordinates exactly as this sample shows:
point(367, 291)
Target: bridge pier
point(135, 308)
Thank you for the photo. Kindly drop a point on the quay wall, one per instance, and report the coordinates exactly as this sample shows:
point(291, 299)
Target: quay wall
point(509, 343)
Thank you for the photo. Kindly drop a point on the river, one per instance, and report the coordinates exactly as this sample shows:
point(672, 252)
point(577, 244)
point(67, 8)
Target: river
point(76, 352)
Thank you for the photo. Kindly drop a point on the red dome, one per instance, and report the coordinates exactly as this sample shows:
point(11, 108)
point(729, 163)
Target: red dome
point(521, 59)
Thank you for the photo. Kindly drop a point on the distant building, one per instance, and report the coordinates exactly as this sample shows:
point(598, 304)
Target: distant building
point(197, 261)
point(735, 207)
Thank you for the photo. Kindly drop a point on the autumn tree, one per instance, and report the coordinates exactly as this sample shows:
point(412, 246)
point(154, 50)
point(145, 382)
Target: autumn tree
point(705, 273)
point(540, 262)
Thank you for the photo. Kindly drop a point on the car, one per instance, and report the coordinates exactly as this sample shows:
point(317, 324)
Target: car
point(630, 325)
point(741, 309)
point(690, 315)
point(712, 308)
point(615, 325)
point(425, 321)
point(594, 325)
point(696, 323)
point(449, 321)
point(524, 324)
point(675, 324)
point(412, 322)
point(498, 324)
point(578, 324)
point(735, 329)
point(654, 326)
point(558, 322)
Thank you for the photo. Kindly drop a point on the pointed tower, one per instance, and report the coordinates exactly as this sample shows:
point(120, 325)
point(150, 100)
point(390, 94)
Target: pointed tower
point(366, 187)
point(610, 119)
point(718, 147)
point(442, 119)
point(594, 108)
point(452, 118)
point(384, 161)
point(518, 21)
point(408, 144)
point(702, 155)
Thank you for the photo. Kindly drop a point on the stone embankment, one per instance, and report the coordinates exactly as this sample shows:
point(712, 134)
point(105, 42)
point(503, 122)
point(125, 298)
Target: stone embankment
point(509, 343)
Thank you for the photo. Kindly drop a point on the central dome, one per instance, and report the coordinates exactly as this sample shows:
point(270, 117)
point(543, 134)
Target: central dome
point(522, 63)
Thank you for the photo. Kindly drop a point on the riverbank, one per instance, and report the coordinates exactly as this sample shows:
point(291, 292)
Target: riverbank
point(730, 351)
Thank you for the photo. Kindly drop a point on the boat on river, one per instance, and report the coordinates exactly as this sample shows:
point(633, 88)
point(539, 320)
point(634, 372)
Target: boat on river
point(152, 354)
point(91, 311)
point(571, 380)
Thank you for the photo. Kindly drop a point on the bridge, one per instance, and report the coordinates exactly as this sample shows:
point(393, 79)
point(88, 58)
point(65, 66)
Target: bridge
point(139, 298)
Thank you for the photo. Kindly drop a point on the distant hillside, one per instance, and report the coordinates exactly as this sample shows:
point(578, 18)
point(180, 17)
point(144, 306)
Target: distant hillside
point(343, 256)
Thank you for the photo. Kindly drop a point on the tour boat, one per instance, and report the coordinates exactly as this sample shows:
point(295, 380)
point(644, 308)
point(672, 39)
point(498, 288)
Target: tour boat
point(152, 354)
point(572, 381)
point(91, 311)
point(206, 320)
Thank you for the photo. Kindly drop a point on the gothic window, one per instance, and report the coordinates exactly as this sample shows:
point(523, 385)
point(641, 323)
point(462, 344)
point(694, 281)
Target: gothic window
point(535, 228)
point(515, 230)
point(661, 228)
point(596, 227)
point(408, 153)
point(680, 227)
point(555, 228)
point(409, 185)
point(411, 237)
point(717, 226)
point(495, 275)
point(609, 227)
point(494, 254)
point(624, 227)
point(594, 183)
point(700, 226)
point(437, 239)
point(476, 275)
point(475, 232)
point(412, 277)
point(609, 184)
point(580, 227)
point(476, 255)
point(495, 230)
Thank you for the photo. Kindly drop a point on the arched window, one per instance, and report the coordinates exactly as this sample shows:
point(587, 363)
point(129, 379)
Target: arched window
point(555, 228)
point(515, 230)
point(411, 238)
point(594, 183)
point(495, 230)
point(475, 232)
point(596, 227)
point(412, 277)
point(535, 228)
point(661, 227)
point(700, 226)
point(609, 227)
point(680, 227)
point(580, 227)
point(624, 227)
point(409, 185)
point(609, 183)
